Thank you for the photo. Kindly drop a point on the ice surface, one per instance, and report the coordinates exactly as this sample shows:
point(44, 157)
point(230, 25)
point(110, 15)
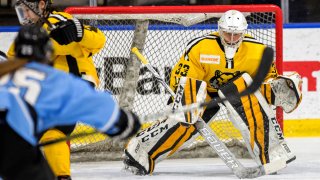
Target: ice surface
point(306, 166)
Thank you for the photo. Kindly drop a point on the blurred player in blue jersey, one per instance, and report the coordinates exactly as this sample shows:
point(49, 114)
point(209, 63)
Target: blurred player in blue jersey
point(36, 97)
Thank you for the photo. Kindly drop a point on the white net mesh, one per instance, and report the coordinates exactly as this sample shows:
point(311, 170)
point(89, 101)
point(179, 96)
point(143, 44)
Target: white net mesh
point(162, 39)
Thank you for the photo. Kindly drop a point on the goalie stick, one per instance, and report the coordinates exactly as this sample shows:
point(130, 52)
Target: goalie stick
point(203, 128)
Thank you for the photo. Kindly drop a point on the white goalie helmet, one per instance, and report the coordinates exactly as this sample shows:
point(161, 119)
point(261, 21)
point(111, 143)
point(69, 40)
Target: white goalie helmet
point(232, 26)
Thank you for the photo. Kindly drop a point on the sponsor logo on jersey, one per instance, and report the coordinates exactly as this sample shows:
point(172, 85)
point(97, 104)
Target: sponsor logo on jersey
point(209, 59)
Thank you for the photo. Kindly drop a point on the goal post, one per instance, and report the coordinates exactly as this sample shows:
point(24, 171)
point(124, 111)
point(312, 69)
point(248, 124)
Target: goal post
point(161, 33)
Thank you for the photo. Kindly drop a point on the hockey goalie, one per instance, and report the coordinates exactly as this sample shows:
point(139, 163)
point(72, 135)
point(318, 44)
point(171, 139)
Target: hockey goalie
point(221, 65)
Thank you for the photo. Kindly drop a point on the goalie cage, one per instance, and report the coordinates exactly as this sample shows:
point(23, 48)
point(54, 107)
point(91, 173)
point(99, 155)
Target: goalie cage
point(161, 33)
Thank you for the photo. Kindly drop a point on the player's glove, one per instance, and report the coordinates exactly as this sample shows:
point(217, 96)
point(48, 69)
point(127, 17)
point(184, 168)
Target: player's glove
point(67, 31)
point(127, 126)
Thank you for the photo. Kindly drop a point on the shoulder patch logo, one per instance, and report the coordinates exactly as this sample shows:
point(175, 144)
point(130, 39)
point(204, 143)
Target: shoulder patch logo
point(209, 59)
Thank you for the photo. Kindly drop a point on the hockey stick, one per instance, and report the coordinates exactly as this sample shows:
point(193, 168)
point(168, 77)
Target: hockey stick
point(212, 139)
point(67, 138)
point(263, 69)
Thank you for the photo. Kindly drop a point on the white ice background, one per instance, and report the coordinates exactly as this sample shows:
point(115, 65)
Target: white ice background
point(305, 167)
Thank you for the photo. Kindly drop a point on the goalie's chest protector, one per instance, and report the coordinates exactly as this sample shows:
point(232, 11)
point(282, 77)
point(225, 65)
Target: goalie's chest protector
point(218, 70)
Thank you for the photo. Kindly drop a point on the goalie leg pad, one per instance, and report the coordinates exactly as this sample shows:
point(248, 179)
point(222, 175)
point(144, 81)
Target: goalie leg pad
point(156, 143)
point(254, 125)
point(267, 92)
point(189, 91)
point(164, 138)
point(252, 115)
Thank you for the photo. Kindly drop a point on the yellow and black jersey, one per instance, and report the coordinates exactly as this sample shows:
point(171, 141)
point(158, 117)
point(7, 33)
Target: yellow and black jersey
point(76, 57)
point(204, 59)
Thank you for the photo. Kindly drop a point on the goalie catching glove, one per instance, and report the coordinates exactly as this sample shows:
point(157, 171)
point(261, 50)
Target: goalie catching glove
point(67, 31)
point(127, 126)
point(287, 91)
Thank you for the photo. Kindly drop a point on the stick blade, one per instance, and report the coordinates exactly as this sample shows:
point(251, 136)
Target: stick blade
point(250, 172)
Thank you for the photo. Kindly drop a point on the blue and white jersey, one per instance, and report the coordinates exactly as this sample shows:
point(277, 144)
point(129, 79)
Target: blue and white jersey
point(57, 98)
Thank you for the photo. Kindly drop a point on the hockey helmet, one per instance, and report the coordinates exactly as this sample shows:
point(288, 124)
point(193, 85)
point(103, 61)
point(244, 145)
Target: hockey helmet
point(33, 43)
point(25, 7)
point(232, 26)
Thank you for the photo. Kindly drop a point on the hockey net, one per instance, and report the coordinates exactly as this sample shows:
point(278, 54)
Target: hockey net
point(161, 33)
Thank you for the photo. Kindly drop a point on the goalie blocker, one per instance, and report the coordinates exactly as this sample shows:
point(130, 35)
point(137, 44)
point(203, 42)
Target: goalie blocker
point(250, 114)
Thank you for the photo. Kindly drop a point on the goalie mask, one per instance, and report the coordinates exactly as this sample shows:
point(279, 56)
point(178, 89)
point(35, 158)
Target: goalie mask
point(33, 43)
point(232, 26)
point(31, 11)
